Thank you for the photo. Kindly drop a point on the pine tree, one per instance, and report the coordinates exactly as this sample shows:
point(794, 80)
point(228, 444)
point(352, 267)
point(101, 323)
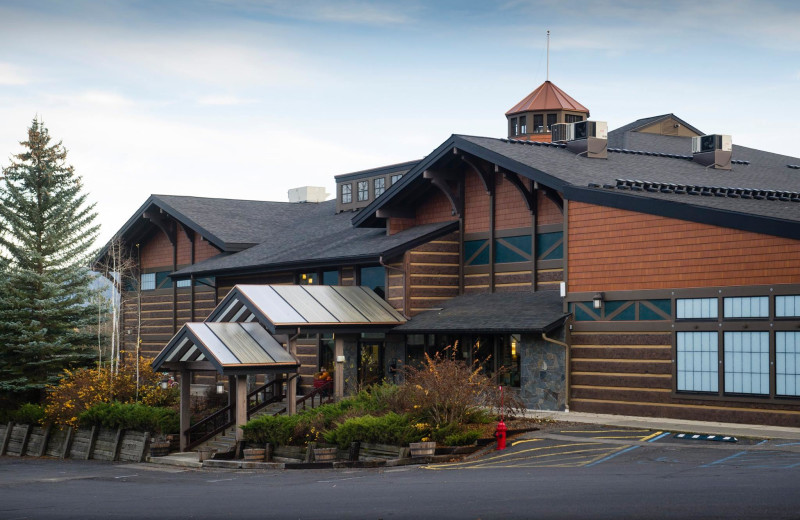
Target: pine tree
point(45, 314)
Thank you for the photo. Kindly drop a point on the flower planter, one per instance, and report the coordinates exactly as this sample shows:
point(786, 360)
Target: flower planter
point(324, 454)
point(422, 449)
point(159, 448)
point(254, 454)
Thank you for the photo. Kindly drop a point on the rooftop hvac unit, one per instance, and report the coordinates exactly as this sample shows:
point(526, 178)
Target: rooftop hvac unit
point(561, 132)
point(586, 129)
point(710, 143)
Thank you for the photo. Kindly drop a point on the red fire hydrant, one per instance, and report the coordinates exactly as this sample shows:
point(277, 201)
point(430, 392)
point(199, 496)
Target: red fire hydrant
point(500, 435)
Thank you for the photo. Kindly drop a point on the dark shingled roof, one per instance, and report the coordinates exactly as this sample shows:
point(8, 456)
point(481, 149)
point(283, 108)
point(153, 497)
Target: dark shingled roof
point(516, 312)
point(317, 236)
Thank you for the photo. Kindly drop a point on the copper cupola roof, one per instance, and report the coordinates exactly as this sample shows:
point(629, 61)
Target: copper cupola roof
point(547, 97)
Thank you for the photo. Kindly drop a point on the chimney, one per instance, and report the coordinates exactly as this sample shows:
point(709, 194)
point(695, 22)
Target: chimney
point(588, 138)
point(712, 150)
point(307, 194)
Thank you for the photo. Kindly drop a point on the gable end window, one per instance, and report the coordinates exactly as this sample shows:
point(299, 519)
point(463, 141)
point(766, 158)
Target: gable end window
point(347, 193)
point(363, 190)
point(396, 177)
point(148, 281)
point(380, 186)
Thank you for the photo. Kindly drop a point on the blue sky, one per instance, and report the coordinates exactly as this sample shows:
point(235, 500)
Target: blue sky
point(246, 99)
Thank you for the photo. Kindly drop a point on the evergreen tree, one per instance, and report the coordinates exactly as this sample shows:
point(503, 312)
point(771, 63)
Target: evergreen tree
point(45, 310)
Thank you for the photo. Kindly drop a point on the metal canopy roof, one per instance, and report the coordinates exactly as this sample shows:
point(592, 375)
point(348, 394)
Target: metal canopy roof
point(306, 307)
point(228, 348)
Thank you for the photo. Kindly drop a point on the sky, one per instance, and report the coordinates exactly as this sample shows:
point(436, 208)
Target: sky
point(246, 99)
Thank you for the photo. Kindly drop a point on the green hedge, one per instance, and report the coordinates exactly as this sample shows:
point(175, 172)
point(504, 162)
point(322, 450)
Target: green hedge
point(28, 413)
point(133, 417)
point(386, 429)
point(277, 430)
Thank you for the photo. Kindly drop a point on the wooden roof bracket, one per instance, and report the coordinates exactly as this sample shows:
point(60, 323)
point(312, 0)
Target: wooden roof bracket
point(439, 179)
point(528, 194)
point(162, 223)
point(485, 176)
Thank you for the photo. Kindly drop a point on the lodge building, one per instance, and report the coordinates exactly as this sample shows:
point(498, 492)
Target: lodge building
point(621, 272)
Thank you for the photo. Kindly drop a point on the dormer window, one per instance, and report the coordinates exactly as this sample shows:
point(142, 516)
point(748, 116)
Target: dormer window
point(380, 186)
point(347, 193)
point(538, 123)
point(572, 118)
point(523, 124)
point(363, 190)
point(512, 126)
point(551, 120)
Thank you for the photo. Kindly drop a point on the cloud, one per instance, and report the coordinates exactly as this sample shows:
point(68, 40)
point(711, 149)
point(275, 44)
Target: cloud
point(13, 75)
point(224, 101)
point(347, 12)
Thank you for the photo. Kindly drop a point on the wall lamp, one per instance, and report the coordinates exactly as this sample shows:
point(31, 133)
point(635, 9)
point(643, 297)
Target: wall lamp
point(220, 387)
point(597, 300)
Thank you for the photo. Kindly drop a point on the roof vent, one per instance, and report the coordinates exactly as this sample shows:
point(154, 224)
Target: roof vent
point(713, 150)
point(589, 138)
point(307, 194)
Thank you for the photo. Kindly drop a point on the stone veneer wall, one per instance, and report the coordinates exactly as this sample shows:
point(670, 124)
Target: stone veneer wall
point(543, 373)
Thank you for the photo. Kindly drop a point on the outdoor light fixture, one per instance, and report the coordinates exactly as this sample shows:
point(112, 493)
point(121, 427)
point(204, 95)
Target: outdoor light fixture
point(164, 383)
point(340, 359)
point(220, 387)
point(597, 300)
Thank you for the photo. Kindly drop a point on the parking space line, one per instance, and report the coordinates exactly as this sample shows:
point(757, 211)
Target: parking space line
point(620, 452)
point(720, 461)
point(602, 431)
point(659, 437)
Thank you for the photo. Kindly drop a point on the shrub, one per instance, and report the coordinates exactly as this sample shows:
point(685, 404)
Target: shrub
point(28, 413)
point(464, 438)
point(79, 390)
point(134, 416)
point(278, 430)
point(385, 429)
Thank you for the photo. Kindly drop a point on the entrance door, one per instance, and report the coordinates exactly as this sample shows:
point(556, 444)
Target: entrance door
point(370, 362)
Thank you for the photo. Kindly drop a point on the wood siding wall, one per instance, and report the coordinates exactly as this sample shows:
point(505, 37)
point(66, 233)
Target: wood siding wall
point(614, 249)
point(432, 270)
point(630, 373)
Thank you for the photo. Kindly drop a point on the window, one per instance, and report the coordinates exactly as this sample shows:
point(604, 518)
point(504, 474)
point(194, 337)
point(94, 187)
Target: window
point(380, 186)
point(698, 362)
point(787, 363)
point(523, 124)
point(508, 358)
point(363, 190)
point(374, 278)
point(307, 279)
point(347, 193)
point(183, 283)
point(571, 118)
point(512, 126)
point(747, 362)
point(148, 281)
point(753, 307)
point(696, 308)
point(396, 177)
point(538, 123)
point(787, 306)
point(327, 347)
point(330, 278)
point(551, 120)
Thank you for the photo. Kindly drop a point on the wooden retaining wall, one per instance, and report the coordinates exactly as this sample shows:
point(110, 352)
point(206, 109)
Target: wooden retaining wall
point(19, 440)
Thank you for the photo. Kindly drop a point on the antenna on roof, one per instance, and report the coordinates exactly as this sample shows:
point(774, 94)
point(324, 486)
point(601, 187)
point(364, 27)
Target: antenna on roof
point(548, 55)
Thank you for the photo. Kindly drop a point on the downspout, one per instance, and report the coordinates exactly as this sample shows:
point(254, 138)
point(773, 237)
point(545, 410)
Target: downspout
point(566, 368)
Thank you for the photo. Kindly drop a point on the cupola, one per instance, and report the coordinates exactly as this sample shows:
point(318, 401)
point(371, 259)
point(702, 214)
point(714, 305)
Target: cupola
point(531, 118)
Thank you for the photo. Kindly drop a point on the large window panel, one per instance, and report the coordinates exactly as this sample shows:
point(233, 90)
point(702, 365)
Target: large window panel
point(787, 363)
point(787, 306)
point(696, 308)
point(698, 361)
point(747, 362)
point(148, 281)
point(748, 307)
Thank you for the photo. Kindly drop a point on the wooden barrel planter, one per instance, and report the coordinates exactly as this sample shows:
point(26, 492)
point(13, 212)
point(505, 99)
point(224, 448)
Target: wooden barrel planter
point(422, 449)
point(254, 454)
point(324, 454)
point(159, 448)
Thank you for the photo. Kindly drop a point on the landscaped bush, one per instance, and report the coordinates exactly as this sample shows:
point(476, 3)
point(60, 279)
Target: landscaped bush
point(464, 438)
point(278, 430)
point(385, 429)
point(81, 389)
point(133, 416)
point(28, 413)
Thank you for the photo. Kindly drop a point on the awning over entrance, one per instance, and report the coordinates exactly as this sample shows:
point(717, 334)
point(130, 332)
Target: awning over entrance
point(506, 312)
point(308, 307)
point(228, 348)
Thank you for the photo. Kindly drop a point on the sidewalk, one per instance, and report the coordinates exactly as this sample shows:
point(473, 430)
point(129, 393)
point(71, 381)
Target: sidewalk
point(673, 425)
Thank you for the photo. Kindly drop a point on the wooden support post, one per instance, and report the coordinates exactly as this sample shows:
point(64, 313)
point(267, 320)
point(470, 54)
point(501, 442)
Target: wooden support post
point(92, 440)
point(338, 371)
point(146, 443)
point(186, 399)
point(25, 440)
point(67, 443)
point(117, 444)
point(6, 437)
point(291, 383)
point(241, 405)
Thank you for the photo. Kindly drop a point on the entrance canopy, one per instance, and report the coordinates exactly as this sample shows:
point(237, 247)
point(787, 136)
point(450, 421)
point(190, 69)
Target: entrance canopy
point(286, 308)
point(228, 348)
